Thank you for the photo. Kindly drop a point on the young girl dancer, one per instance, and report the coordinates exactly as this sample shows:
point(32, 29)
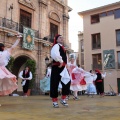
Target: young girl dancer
point(8, 82)
point(76, 74)
point(77, 77)
point(90, 78)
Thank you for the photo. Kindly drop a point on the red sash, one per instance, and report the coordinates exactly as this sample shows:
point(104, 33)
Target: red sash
point(83, 82)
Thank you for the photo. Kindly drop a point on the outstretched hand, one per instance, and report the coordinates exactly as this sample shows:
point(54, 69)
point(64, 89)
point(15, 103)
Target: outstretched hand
point(19, 35)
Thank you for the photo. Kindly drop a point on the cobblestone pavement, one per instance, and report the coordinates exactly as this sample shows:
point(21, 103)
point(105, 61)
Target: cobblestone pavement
point(40, 108)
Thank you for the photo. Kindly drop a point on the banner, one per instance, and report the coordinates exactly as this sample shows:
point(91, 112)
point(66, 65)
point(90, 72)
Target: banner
point(28, 38)
point(108, 59)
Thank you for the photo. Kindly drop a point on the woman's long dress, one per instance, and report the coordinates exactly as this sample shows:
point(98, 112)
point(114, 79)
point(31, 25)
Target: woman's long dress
point(8, 82)
point(45, 82)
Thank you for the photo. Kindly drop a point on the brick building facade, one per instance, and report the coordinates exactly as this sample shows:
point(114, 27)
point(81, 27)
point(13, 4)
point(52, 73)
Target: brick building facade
point(45, 17)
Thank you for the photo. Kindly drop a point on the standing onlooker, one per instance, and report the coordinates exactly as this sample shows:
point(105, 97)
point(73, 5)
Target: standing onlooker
point(59, 57)
point(99, 82)
point(26, 76)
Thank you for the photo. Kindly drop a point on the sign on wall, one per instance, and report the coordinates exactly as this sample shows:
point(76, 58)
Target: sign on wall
point(28, 38)
point(108, 59)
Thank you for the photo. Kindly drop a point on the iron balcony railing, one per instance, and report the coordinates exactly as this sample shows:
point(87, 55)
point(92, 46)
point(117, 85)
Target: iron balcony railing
point(9, 24)
point(14, 26)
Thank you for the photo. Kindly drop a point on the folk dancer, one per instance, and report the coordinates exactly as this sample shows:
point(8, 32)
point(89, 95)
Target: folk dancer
point(90, 78)
point(77, 82)
point(8, 82)
point(59, 72)
point(45, 82)
point(99, 82)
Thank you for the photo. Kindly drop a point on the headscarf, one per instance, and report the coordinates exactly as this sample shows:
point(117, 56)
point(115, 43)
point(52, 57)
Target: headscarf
point(97, 71)
point(2, 47)
point(55, 39)
point(72, 56)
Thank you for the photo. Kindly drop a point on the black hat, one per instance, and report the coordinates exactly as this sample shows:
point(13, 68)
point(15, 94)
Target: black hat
point(55, 39)
point(2, 45)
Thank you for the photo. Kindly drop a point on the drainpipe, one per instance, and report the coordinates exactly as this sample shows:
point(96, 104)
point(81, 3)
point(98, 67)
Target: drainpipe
point(39, 48)
point(6, 9)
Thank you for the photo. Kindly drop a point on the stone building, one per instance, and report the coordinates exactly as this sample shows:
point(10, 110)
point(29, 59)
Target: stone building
point(101, 38)
point(43, 19)
point(81, 49)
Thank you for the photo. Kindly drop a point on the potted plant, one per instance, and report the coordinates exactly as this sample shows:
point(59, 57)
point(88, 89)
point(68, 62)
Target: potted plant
point(32, 65)
point(10, 64)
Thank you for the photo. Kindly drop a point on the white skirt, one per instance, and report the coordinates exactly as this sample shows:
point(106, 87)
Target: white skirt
point(91, 89)
point(76, 87)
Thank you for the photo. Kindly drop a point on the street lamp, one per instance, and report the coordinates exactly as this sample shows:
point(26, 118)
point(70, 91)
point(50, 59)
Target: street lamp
point(46, 60)
point(11, 8)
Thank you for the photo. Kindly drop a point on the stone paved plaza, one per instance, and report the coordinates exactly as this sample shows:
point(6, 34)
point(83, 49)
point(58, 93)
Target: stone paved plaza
point(40, 108)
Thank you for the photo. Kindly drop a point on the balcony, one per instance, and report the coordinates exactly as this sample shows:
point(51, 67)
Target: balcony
point(14, 26)
point(9, 24)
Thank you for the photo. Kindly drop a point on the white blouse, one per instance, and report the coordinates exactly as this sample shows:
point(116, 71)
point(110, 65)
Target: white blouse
point(4, 57)
point(48, 72)
point(89, 78)
point(21, 73)
point(55, 53)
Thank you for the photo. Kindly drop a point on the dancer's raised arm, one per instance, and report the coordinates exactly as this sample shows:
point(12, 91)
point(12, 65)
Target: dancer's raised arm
point(16, 43)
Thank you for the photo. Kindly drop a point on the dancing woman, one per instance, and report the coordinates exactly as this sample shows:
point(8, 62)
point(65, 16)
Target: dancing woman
point(8, 82)
point(90, 78)
point(77, 77)
point(45, 82)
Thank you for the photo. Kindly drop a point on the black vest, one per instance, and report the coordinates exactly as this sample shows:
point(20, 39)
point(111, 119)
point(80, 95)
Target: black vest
point(99, 77)
point(26, 75)
point(63, 55)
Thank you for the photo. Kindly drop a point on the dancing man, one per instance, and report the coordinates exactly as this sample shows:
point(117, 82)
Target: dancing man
point(99, 82)
point(59, 57)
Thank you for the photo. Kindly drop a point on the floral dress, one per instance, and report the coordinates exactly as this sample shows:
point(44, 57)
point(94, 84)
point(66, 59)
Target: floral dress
point(77, 76)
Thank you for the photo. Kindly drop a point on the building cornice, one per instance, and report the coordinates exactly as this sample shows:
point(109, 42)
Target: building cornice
point(62, 3)
point(98, 8)
point(29, 5)
point(43, 2)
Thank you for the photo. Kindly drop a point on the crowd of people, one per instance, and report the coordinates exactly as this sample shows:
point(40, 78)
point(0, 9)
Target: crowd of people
point(62, 75)
point(68, 77)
